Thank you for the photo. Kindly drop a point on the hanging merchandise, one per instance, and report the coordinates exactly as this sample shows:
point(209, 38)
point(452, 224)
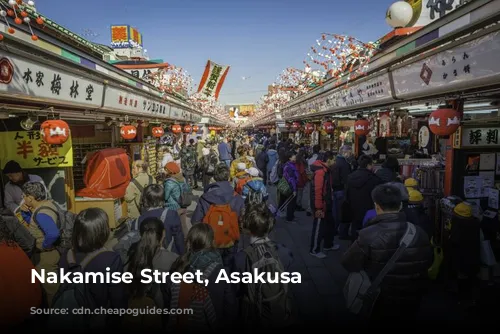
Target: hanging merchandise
point(308, 128)
point(295, 127)
point(157, 131)
point(188, 129)
point(328, 127)
point(176, 128)
point(55, 132)
point(128, 132)
point(196, 128)
point(444, 121)
point(361, 127)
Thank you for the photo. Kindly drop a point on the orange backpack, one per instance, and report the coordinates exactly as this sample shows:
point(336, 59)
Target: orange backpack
point(224, 222)
point(240, 184)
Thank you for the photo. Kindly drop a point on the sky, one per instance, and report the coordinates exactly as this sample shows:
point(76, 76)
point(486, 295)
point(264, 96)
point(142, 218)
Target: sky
point(257, 39)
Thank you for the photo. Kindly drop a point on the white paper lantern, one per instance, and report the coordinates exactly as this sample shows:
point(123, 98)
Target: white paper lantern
point(399, 14)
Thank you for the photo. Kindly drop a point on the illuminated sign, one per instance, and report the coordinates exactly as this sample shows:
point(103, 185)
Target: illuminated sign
point(124, 36)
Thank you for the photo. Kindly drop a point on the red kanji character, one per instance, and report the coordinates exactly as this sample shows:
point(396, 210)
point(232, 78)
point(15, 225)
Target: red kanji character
point(45, 150)
point(135, 104)
point(120, 100)
point(24, 148)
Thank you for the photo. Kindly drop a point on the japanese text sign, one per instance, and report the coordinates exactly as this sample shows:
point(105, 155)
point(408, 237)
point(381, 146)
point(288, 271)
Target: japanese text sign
point(480, 137)
point(125, 102)
point(212, 80)
point(464, 66)
point(49, 83)
point(30, 151)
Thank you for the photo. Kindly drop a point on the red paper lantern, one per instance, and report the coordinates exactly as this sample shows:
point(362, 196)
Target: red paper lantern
point(128, 132)
point(196, 128)
point(444, 122)
point(188, 129)
point(361, 127)
point(295, 126)
point(308, 128)
point(176, 128)
point(55, 132)
point(328, 127)
point(157, 131)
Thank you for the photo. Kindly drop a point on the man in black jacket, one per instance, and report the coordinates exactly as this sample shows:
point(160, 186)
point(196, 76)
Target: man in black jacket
point(402, 288)
point(360, 185)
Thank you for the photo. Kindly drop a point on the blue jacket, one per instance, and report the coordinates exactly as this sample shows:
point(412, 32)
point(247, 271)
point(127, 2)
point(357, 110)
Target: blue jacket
point(257, 185)
point(370, 214)
point(173, 190)
point(173, 228)
point(273, 157)
point(224, 151)
point(217, 193)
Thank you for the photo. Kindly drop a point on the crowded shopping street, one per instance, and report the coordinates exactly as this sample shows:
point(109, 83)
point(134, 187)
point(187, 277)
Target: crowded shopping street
point(193, 172)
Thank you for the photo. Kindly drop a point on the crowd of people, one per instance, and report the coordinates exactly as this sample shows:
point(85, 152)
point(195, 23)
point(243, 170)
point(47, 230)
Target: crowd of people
point(229, 229)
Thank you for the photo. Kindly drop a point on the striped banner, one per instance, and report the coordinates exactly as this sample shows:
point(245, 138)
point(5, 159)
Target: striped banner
point(213, 79)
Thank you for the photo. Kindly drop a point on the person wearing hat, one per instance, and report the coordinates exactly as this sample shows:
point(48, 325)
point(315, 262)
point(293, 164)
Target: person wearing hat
point(13, 189)
point(254, 186)
point(240, 178)
point(415, 212)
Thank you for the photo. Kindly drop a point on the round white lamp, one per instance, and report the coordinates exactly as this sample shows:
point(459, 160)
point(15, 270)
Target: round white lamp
point(399, 14)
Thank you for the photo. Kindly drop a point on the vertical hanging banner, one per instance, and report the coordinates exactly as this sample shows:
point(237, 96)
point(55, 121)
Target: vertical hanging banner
point(213, 79)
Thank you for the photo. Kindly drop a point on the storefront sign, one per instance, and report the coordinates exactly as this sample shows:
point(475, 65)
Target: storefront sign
point(30, 151)
point(35, 80)
point(480, 137)
point(125, 102)
point(471, 64)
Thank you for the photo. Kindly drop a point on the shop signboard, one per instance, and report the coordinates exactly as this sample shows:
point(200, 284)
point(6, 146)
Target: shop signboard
point(124, 36)
point(27, 78)
point(480, 137)
point(132, 104)
point(469, 65)
point(370, 92)
point(30, 151)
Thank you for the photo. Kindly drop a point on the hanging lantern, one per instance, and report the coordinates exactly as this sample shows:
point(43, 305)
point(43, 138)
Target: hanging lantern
point(444, 121)
point(196, 128)
point(361, 127)
point(157, 131)
point(176, 128)
point(328, 127)
point(188, 129)
point(295, 127)
point(55, 132)
point(128, 132)
point(308, 128)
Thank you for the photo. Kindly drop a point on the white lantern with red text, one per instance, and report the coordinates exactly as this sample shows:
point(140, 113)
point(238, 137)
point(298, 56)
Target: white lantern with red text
point(128, 132)
point(444, 121)
point(328, 127)
point(157, 131)
point(55, 132)
point(362, 127)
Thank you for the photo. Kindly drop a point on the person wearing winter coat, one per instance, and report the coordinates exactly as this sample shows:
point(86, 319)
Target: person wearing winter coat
point(207, 166)
point(262, 161)
point(220, 314)
point(403, 287)
point(359, 187)
point(189, 162)
point(174, 186)
point(273, 159)
point(243, 158)
point(225, 152)
point(255, 184)
point(134, 189)
point(291, 175)
point(389, 171)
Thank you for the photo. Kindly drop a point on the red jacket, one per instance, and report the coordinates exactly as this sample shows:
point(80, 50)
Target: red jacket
point(321, 187)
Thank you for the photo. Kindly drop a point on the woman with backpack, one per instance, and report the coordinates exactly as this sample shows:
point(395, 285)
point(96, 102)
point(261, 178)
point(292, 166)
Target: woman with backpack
point(175, 185)
point(148, 253)
point(153, 206)
point(291, 177)
point(90, 235)
point(215, 307)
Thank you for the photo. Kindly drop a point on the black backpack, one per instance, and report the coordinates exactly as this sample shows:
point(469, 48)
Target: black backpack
point(73, 296)
point(212, 163)
point(265, 304)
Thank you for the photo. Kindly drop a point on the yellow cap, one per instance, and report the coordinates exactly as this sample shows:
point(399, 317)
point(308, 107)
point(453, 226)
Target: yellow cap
point(463, 210)
point(411, 182)
point(415, 196)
